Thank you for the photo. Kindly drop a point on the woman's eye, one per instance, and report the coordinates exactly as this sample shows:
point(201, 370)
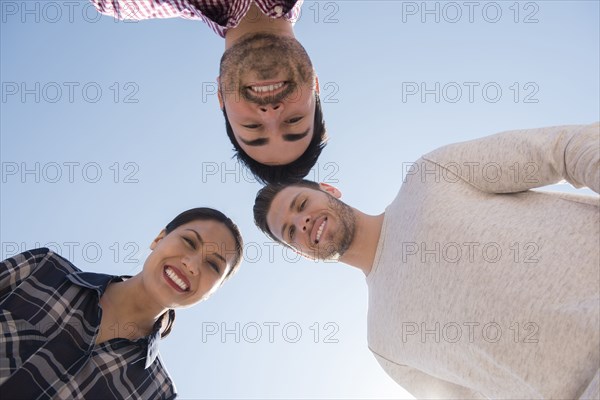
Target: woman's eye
point(215, 267)
point(190, 242)
point(292, 232)
point(294, 120)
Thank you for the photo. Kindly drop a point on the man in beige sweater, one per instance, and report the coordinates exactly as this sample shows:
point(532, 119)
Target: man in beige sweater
point(478, 286)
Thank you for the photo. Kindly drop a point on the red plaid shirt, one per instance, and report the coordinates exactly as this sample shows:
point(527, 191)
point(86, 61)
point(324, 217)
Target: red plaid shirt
point(220, 15)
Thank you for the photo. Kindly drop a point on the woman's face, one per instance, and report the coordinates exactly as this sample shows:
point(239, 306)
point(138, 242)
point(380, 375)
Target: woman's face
point(189, 263)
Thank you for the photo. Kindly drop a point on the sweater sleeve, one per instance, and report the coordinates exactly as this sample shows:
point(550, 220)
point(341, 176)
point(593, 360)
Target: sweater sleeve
point(592, 391)
point(519, 160)
point(424, 386)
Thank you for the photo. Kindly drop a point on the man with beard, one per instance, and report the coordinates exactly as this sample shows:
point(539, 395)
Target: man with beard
point(478, 286)
point(268, 89)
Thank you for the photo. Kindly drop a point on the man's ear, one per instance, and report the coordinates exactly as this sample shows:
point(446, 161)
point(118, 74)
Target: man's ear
point(160, 236)
point(219, 93)
point(332, 190)
point(317, 88)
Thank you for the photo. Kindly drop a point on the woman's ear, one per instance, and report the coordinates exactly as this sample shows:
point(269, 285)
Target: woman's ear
point(332, 190)
point(161, 235)
point(317, 88)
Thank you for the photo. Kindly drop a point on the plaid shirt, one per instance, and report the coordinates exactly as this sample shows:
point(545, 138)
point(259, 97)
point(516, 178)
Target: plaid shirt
point(220, 15)
point(49, 321)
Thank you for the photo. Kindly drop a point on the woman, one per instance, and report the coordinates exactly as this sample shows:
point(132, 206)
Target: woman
point(71, 334)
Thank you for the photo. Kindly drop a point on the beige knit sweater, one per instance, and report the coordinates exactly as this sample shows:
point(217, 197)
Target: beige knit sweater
point(482, 288)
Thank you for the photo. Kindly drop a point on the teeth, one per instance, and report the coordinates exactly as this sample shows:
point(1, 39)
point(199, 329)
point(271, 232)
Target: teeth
point(320, 231)
point(267, 88)
point(171, 274)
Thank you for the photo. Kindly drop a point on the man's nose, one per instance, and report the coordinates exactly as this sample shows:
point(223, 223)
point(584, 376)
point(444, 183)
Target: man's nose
point(271, 108)
point(302, 222)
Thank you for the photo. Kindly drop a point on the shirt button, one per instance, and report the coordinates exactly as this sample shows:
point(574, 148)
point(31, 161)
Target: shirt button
point(278, 10)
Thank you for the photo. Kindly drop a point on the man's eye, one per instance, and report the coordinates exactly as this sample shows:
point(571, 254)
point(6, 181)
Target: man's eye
point(292, 232)
point(294, 120)
point(302, 205)
point(251, 126)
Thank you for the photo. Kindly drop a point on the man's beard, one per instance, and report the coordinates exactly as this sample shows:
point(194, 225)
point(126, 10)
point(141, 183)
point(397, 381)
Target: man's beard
point(264, 57)
point(345, 233)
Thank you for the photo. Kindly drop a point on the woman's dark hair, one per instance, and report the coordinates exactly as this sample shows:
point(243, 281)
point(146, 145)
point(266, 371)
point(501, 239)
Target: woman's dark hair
point(203, 214)
point(295, 170)
point(168, 325)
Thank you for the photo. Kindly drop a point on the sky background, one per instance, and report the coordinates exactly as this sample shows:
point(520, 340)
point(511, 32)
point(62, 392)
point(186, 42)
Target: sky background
point(109, 129)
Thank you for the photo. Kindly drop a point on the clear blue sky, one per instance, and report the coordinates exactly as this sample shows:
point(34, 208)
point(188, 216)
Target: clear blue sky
point(109, 129)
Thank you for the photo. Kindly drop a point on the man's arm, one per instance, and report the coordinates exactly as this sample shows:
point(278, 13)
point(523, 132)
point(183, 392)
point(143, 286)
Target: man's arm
point(592, 391)
point(515, 161)
point(424, 386)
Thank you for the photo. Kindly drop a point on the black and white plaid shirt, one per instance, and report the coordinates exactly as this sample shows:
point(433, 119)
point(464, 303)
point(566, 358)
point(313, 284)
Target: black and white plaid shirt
point(219, 15)
point(49, 320)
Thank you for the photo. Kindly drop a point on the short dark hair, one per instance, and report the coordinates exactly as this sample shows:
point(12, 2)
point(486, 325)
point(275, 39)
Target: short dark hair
point(208, 214)
point(295, 170)
point(202, 214)
point(265, 197)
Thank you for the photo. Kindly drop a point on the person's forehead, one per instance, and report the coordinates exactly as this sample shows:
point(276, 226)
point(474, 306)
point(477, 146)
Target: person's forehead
point(285, 196)
point(279, 205)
